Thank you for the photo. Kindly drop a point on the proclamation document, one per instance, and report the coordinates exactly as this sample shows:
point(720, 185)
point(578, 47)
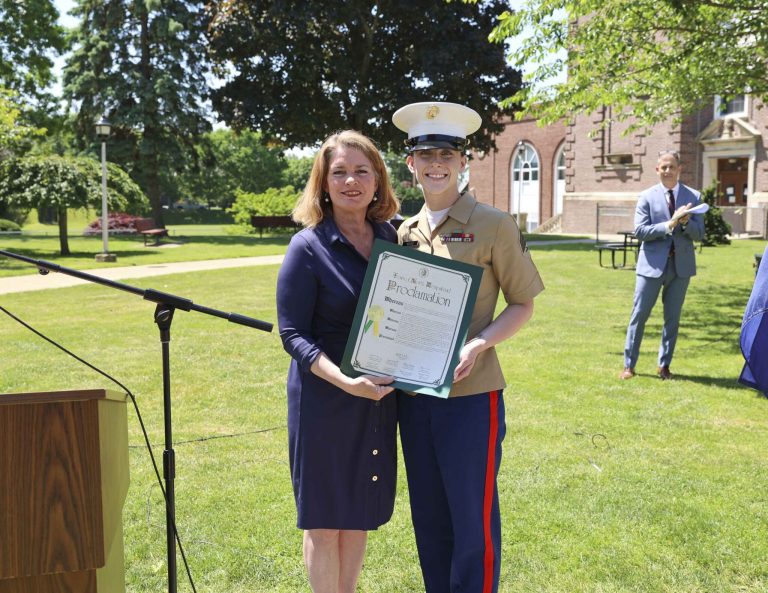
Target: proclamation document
point(412, 318)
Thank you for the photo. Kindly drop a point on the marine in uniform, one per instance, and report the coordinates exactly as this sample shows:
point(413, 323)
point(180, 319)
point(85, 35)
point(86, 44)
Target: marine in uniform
point(452, 447)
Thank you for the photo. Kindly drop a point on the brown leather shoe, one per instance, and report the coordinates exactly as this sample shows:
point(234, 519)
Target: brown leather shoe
point(664, 373)
point(627, 373)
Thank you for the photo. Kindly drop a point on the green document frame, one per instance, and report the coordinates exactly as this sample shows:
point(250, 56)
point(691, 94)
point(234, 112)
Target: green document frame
point(412, 318)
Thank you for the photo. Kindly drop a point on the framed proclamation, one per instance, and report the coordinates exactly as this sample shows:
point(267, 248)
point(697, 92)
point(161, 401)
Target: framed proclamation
point(412, 318)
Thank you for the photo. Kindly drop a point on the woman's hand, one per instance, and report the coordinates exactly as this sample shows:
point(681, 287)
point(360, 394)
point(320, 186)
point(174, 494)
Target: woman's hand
point(369, 386)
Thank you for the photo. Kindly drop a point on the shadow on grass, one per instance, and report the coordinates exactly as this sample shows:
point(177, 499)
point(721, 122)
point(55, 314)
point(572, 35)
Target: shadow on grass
point(723, 382)
point(566, 247)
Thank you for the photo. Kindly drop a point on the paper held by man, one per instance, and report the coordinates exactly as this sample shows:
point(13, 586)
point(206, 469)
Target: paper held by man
point(412, 318)
point(698, 209)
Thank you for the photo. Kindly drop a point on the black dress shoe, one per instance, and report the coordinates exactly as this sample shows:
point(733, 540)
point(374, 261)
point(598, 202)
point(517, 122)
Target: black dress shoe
point(664, 373)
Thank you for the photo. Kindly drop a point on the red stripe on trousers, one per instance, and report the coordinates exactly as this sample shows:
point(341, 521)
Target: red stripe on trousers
point(490, 480)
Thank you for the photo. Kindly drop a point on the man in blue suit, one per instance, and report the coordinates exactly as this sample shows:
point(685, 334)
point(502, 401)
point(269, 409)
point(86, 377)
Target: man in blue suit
point(666, 262)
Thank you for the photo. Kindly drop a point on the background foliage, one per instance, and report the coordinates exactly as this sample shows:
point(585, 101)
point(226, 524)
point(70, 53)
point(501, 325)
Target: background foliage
point(649, 59)
point(298, 71)
point(272, 202)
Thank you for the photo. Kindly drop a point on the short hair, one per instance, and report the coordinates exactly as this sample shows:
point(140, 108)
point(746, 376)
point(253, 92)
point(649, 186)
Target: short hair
point(673, 153)
point(311, 209)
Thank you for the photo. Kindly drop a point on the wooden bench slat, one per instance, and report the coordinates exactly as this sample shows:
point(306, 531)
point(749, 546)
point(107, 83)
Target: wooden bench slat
point(147, 228)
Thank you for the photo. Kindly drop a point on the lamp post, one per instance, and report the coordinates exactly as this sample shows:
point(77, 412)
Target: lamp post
point(103, 129)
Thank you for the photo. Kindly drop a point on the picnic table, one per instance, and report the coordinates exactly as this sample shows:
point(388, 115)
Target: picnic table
point(619, 250)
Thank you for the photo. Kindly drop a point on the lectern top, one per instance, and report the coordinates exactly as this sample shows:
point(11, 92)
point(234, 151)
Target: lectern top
point(61, 396)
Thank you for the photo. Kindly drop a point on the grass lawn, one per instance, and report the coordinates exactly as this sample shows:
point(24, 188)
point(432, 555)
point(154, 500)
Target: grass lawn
point(130, 251)
point(606, 486)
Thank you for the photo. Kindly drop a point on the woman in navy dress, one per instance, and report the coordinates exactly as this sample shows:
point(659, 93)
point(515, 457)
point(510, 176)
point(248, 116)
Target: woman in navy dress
point(341, 430)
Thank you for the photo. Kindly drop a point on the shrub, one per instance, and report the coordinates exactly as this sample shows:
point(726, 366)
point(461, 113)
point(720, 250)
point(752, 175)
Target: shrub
point(273, 202)
point(118, 223)
point(716, 230)
point(8, 225)
point(14, 214)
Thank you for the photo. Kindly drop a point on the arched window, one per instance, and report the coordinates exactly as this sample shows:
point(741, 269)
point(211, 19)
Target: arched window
point(526, 164)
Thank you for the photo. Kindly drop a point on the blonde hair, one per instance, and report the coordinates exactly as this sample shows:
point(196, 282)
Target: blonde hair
point(310, 210)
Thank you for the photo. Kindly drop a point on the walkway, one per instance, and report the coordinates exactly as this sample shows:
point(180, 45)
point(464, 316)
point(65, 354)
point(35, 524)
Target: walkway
point(13, 284)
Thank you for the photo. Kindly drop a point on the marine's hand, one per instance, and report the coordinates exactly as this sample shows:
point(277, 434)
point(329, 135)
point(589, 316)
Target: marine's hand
point(370, 386)
point(467, 359)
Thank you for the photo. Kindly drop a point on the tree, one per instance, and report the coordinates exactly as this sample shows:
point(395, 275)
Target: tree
point(65, 182)
point(142, 63)
point(652, 60)
point(28, 34)
point(228, 161)
point(297, 171)
point(298, 70)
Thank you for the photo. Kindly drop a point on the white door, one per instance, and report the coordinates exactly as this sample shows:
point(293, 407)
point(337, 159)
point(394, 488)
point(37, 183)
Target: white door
point(525, 185)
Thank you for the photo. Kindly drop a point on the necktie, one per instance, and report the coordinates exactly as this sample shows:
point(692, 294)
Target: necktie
point(671, 202)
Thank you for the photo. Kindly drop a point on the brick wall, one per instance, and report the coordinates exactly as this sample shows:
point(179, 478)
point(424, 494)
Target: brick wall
point(491, 173)
point(605, 166)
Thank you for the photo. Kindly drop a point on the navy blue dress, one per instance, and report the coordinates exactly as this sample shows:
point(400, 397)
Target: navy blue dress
point(342, 448)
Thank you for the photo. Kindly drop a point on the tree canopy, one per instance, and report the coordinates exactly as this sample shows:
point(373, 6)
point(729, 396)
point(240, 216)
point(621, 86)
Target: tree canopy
point(228, 161)
point(143, 65)
point(29, 34)
point(298, 71)
point(651, 59)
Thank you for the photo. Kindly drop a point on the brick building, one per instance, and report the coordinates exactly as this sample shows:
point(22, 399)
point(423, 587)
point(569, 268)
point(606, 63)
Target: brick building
point(584, 177)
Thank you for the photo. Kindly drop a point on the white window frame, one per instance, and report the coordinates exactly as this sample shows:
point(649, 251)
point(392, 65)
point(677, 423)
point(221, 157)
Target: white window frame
point(719, 103)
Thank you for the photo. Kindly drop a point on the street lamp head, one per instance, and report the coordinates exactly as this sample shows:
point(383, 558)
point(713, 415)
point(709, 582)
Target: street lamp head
point(103, 128)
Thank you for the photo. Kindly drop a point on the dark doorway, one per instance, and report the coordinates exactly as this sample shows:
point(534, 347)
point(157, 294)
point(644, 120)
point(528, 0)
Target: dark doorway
point(732, 181)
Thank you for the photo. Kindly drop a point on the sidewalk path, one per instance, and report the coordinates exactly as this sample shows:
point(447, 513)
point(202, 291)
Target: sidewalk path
point(30, 282)
point(13, 284)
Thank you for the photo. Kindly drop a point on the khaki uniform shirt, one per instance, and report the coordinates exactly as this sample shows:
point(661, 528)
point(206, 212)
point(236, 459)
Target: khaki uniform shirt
point(497, 246)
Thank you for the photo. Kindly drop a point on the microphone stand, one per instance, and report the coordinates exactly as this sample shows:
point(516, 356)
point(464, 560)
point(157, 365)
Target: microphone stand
point(163, 317)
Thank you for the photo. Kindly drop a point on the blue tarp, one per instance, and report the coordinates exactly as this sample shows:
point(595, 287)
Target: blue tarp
point(754, 333)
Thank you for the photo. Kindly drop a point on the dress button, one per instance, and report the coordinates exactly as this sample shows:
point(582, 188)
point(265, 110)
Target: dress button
point(377, 404)
point(375, 451)
point(375, 478)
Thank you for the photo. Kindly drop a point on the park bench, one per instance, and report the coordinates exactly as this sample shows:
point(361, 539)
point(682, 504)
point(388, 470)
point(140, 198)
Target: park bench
point(147, 228)
point(273, 222)
point(629, 245)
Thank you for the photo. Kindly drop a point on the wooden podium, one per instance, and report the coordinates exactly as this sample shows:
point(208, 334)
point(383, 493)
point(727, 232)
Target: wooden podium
point(63, 483)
